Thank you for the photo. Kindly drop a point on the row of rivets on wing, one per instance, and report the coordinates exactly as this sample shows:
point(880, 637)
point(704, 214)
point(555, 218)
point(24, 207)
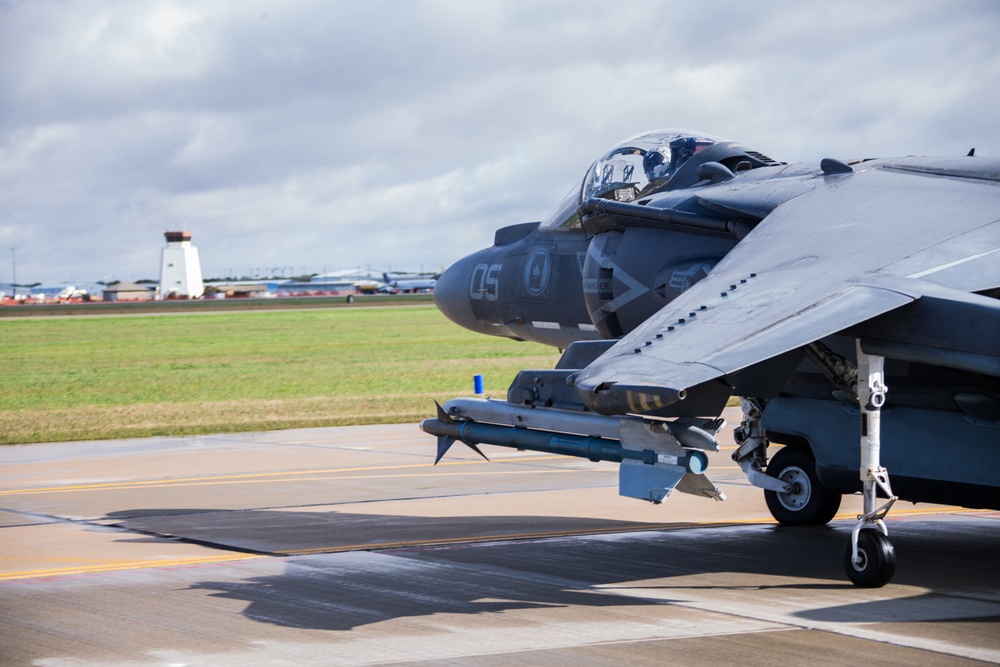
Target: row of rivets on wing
point(693, 314)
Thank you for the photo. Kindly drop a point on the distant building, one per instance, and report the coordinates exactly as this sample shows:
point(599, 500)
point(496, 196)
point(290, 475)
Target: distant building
point(126, 292)
point(180, 269)
point(318, 286)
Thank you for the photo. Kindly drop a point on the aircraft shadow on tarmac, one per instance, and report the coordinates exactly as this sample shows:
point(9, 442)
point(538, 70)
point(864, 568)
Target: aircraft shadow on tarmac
point(341, 591)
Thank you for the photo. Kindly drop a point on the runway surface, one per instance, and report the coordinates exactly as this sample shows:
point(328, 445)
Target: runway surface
point(346, 546)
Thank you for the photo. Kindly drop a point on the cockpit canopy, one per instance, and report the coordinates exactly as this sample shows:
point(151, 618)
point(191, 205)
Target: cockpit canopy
point(653, 157)
point(630, 168)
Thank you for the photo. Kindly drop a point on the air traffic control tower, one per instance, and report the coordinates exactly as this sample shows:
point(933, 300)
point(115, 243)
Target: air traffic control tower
point(180, 270)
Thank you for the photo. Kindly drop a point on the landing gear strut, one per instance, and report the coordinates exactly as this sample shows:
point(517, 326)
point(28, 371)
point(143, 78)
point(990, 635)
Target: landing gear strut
point(794, 494)
point(869, 559)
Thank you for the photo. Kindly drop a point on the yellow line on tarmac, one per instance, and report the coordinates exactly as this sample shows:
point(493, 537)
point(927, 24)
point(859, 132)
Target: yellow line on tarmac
point(117, 566)
point(281, 476)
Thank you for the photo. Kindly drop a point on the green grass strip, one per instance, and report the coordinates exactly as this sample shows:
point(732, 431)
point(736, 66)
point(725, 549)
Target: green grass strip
point(85, 378)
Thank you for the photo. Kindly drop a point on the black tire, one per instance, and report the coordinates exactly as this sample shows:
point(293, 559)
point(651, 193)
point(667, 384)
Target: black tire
point(878, 560)
point(810, 503)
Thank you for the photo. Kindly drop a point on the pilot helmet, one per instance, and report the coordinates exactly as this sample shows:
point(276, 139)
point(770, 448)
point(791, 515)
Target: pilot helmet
point(684, 148)
point(681, 150)
point(654, 164)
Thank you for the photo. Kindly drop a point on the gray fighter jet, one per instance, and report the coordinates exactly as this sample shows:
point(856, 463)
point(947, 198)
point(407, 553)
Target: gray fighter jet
point(853, 306)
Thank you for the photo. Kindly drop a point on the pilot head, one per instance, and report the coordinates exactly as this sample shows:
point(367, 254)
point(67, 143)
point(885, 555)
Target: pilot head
point(681, 150)
point(654, 164)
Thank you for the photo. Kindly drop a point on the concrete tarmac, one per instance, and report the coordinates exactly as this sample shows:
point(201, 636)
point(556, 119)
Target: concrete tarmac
point(346, 546)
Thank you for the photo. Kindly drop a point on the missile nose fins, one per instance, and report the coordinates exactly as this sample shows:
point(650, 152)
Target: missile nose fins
point(444, 441)
point(442, 415)
point(444, 444)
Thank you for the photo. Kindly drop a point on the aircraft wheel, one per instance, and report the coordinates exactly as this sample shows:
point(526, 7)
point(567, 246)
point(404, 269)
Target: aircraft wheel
point(878, 560)
point(809, 503)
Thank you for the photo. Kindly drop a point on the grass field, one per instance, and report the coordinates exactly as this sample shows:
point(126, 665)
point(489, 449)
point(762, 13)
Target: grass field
point(184, 374)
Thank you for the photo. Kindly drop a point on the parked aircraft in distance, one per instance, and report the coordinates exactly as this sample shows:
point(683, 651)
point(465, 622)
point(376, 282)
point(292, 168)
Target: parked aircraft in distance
point(408, 283)
point(854, 306)
point(369, 281)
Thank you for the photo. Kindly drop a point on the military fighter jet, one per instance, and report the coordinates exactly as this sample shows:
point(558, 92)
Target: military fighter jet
point(853, 306)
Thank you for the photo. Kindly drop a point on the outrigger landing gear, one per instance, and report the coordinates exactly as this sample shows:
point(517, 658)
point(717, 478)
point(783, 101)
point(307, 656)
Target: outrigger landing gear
point(869, 559)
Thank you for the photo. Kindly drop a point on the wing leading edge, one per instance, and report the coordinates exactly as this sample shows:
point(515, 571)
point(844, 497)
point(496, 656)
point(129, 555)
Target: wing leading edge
point(855, 247)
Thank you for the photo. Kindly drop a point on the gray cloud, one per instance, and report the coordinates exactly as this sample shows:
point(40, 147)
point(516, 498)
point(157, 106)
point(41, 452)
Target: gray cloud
point(323, 135)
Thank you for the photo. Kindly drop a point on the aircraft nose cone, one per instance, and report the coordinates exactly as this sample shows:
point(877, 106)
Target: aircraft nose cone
point(451, 293)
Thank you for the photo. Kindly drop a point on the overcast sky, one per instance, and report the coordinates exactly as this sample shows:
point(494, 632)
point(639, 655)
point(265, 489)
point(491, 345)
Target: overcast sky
point(323, 135)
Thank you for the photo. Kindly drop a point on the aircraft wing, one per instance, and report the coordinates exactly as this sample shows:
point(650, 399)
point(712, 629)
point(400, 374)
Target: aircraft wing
point(854, 247)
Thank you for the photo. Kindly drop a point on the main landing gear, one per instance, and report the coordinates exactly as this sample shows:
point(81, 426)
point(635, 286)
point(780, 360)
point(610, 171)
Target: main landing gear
point(792, 489)
point(807, 502)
